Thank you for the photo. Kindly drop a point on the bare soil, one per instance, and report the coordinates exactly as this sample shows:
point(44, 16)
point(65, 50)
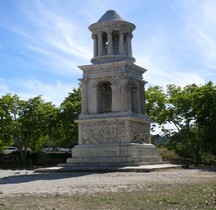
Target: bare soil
point(23, 189)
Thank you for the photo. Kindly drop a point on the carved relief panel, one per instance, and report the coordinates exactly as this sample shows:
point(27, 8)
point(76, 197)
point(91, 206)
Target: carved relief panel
point(102, 131)
point(113, 131)
point(139, 132)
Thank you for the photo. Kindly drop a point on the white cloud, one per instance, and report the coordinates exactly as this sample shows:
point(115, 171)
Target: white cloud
point(60, 44)
point(200, 28)
point(60, 31)
point(165, 65)
point(3, 87)
point(50, 92)
point(21, 32)
point(57, 40)
point(180, 55)
point(161, 74)
point(57, 63)
point(27, 89)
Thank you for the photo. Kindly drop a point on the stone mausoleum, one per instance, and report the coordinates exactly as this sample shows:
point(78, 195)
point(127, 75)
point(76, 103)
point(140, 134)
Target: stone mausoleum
point(114, 129)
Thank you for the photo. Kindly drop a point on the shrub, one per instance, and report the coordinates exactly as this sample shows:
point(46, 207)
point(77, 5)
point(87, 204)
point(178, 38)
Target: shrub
point(172, 157)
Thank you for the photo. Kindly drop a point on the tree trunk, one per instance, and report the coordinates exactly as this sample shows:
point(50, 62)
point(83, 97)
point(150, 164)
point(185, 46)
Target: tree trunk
point(197, 156)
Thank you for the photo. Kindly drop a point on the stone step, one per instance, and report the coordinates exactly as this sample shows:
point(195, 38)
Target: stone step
point(114, 164)
point(123, 161)
point(95, 169)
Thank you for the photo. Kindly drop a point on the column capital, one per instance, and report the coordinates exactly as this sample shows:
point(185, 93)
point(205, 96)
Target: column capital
point(98, 32)
point(94, 36)
point(109, 31)
point(130, 35)
point(124, 77)
point(83, 80)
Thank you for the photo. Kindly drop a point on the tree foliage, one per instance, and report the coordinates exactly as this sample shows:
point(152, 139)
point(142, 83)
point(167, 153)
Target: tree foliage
point(66, 127)
point(10, 110)
point(35, 123)
point(192, 111)
point(25, 124)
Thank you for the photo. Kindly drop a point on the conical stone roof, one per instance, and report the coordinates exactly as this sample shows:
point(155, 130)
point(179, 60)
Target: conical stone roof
point(118, 46)
point(109, 16)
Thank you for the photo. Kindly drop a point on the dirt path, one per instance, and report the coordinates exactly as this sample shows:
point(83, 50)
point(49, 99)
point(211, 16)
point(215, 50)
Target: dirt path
point(21, 183)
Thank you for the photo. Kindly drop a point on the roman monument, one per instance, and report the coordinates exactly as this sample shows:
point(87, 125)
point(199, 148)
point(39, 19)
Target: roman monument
point(114, 129)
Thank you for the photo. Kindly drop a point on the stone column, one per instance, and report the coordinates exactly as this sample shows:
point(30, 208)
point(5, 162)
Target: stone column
point(129, 47)
point(110, 43)
point(142, 97)
point(92, 100)
point(138, 96)
point(100, 43)
point(114, 98)
point(84, 109)
point(129, 98)
point(94, 37)
point(121, 43)
point(124, 93)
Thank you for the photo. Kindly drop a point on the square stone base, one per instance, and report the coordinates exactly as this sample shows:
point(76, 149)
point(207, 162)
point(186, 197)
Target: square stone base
point(114, 141)
point(125, 154)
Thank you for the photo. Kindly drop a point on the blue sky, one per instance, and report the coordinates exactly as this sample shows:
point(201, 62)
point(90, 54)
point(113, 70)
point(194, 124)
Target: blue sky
point(43, 41)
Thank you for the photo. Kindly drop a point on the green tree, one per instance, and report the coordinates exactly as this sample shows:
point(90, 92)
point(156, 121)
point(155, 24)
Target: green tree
point(156, 104)
point(66, 127)
point(191, 110)
point(10, 110)
point(25, 123)
point(37, 122)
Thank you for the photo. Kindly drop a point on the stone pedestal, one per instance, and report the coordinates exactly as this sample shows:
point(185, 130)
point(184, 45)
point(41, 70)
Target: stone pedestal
point(114, 141)
point(114, 154)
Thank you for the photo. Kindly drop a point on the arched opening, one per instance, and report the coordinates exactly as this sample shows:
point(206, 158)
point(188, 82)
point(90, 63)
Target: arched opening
point(104, 97)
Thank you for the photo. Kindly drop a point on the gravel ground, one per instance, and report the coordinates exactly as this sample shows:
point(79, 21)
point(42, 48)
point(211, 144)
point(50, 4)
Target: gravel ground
point(15, 183)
